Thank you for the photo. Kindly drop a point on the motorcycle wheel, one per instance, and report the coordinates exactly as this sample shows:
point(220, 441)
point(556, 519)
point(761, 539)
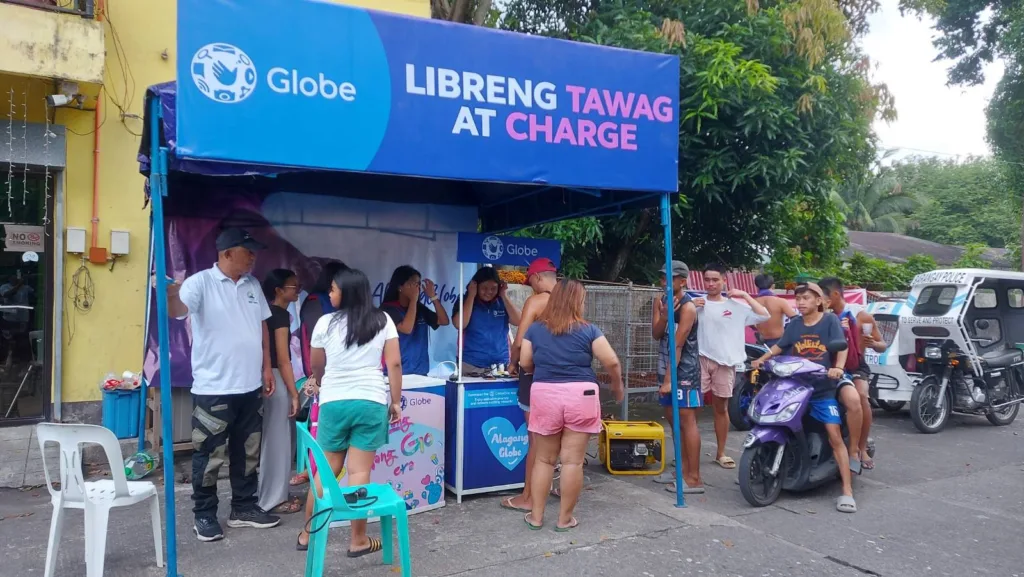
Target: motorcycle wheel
point(926, 417)
point(891, 407)
point(742, 396)
point(1006, 415)
point(758, 487)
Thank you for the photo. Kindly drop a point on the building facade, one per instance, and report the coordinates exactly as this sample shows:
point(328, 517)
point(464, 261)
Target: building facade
point(73, 269)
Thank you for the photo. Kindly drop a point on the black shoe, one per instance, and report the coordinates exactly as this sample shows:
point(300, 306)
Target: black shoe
point(208, 529)
point(255, 518)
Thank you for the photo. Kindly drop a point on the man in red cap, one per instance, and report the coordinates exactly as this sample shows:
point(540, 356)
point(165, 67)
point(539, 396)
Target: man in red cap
point(541, 276)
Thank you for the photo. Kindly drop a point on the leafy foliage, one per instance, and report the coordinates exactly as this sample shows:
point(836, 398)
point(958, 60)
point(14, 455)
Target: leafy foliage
point(876, 202)
point(775, 109)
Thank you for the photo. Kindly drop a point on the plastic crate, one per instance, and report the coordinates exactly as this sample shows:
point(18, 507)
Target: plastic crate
point(121, 412)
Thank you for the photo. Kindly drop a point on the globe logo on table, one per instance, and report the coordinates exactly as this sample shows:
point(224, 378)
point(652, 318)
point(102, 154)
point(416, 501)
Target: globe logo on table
point(493, 248)
point(223, 73)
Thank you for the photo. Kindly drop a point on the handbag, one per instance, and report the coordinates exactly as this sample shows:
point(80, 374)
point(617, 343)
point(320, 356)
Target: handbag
point(304, 405)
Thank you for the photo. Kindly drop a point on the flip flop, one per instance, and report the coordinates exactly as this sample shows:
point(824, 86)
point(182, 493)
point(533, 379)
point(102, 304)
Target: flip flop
point(868, 463)
point(572, 525)
point(506, 503)
point(531, 525)
point(288, 507)
point(855, 466)
point(300, 479)
point(299, 546)
point(846, 504)
point(687, 490)
point(375, 546)
point(725, 462)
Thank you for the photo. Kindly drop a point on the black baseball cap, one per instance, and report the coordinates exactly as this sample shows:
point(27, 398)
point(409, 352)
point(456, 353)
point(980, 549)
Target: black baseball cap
point(234, 237)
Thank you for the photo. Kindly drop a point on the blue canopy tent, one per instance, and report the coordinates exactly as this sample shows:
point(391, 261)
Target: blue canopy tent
point(325, 99)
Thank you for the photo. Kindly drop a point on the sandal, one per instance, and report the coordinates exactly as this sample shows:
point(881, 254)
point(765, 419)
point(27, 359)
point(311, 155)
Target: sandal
point(375, 545)
point(855, 466)
point(300, 479)
point(725, 462)
point(506, 503)
point(572, 525)
point(530, 523)
point(868, 463)
point(846, 504)
point(299, 546)
point(288, 507)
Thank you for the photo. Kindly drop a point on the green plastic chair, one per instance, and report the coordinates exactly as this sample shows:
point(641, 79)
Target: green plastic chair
point(300, 461)
point(384, 503)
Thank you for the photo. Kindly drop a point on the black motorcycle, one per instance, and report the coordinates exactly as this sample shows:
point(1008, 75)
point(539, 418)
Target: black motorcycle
point(950, 385)
point(748, 384)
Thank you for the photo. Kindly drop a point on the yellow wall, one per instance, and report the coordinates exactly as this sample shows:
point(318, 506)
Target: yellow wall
point(50, 45)
point(109, 337)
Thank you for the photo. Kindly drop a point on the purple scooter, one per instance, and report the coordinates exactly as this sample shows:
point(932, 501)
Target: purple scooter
point(787, 448)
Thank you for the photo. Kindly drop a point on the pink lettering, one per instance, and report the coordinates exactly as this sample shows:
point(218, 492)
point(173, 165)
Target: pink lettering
point(587, 130)
point(663, 109)
point(627, 139)
point(576, 91)
point(402, 425)
point(618, 104)
point(643, 108)
point(565, 132)
point(593, 103)
point(545, 127)
point(607, 136)
point(510, 125)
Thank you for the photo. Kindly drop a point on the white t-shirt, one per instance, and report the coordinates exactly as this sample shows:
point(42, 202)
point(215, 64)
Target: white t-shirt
point(227, 332)
point(352, 373)
point(721, 330)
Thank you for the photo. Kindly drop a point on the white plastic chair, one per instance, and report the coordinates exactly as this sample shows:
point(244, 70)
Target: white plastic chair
point(96, 498)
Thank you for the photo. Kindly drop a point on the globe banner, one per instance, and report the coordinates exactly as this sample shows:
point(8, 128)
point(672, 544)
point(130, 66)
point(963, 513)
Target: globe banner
point(302, 83)
point(506, 250)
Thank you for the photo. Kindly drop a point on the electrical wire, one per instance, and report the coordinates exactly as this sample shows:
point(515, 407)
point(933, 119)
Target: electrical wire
point(127, 76)
point(82, 294)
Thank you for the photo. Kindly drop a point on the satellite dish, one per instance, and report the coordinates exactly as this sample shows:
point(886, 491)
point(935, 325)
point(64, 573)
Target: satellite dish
point(30, 256)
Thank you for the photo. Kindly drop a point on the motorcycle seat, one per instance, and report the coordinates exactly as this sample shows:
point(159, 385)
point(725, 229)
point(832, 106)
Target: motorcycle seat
point(1001, 358)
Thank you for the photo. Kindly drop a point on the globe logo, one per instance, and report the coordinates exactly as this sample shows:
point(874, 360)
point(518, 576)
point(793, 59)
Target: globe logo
point(493, 248)
point(223, 73)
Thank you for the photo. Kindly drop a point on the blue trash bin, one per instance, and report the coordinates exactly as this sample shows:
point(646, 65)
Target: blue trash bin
point(121, 412)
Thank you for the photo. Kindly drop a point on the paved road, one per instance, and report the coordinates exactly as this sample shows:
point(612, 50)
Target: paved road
point(950, 504)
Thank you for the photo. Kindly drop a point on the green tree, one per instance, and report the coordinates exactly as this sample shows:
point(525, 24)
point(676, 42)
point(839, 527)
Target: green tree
point(775, 106)
point(876, 202)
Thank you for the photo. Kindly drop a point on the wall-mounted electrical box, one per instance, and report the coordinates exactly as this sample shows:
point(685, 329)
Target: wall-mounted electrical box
point(119, 242)
point(75, 241)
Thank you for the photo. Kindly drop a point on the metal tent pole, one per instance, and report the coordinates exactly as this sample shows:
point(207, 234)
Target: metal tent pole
point(158, 189)
point(666, 223)
point(629, 350)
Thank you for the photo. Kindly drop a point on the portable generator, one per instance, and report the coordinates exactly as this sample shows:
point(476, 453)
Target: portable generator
point(632, 448)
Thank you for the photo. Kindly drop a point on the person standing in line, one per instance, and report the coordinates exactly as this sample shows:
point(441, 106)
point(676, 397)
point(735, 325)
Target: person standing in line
point(721, 340)
point(230, 364)
point(402, 303)
point(861, 332)
point(281, 288)
point(779, 309)
point(559, 349)
point(542, 277)
point(687, 375)
point(357, 402)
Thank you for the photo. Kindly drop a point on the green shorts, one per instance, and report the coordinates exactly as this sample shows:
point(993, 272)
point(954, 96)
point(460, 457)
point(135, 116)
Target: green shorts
point(360, 424)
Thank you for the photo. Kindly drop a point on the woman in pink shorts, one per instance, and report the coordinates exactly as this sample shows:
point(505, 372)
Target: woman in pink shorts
point(565, 404)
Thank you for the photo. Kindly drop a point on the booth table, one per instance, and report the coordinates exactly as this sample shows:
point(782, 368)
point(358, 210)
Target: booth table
point(413, 461)
point(486, 440)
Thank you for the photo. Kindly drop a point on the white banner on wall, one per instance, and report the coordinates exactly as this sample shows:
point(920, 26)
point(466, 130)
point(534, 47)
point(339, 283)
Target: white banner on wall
point(377, 237)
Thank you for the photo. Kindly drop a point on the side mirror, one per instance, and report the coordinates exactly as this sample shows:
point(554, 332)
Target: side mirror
point(837, 346)
point(982, 324)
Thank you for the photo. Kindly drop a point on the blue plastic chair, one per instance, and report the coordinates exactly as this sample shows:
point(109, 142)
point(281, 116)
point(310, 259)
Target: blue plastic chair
point(385, 503)
point(300, 461)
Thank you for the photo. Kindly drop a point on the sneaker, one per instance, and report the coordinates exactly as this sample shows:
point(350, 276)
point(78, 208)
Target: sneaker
point(208, 529)
point(255, 518)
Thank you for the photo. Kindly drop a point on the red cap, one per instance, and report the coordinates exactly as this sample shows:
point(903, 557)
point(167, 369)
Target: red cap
point(539, 265)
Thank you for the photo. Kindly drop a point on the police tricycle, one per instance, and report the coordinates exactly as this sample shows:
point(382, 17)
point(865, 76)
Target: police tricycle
point(965, 330)
point(893, 372)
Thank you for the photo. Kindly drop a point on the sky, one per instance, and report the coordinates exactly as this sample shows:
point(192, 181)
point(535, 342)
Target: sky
point(934, 119)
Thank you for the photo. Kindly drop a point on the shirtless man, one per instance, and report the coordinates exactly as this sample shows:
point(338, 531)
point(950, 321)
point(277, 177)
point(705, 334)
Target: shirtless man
point(541, 276)
point(778, 307)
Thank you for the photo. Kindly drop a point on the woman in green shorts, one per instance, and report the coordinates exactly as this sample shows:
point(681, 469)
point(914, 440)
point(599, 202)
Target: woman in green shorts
point(345, 358)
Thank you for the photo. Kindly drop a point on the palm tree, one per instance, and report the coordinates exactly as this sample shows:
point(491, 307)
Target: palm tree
point(876, 202)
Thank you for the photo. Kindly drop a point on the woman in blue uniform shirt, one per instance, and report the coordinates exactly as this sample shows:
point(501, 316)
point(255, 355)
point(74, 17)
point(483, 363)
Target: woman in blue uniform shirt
point(489, 312)
point(412, 318)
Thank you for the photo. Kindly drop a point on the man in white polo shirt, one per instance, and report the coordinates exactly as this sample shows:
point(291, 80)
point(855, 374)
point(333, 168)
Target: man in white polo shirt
point(230, 364)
